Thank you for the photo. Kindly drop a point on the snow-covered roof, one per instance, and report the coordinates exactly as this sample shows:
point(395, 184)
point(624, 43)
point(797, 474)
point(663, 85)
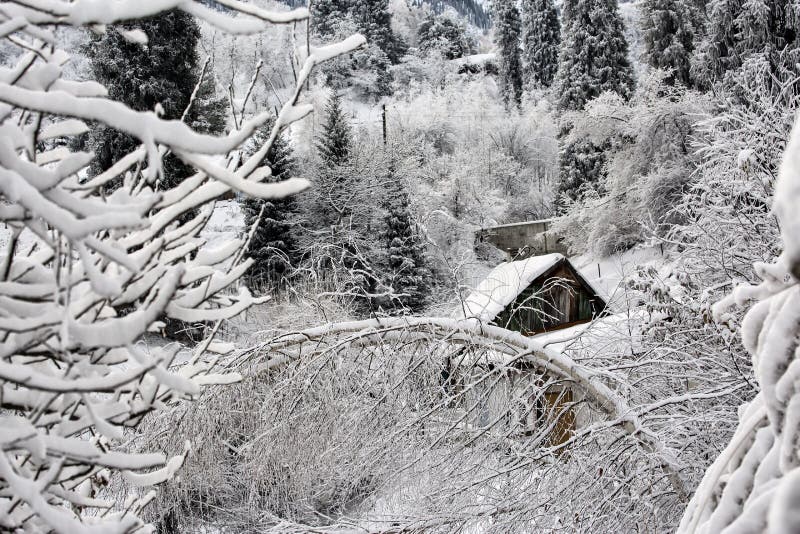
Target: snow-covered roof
point(504, 284)
point(475, 59)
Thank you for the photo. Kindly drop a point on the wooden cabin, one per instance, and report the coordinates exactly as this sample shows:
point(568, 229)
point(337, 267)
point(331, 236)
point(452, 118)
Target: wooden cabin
point(536, 296)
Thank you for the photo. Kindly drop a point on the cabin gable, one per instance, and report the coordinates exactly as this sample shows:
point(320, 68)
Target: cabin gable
point(558, 298)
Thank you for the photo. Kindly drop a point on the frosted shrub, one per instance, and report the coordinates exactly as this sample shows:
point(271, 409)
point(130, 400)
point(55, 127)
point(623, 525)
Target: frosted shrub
point(72, 376)
point(754, 484)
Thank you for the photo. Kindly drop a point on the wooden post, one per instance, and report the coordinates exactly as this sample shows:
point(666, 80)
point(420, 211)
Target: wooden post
point(384, 123)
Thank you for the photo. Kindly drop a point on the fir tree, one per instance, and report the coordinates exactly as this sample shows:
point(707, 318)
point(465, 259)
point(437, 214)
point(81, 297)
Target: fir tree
point(582, 171)
point(668, 37)
point(739, 31)
point(541, 36)
point(594, 54)
point(164, 72)
point(406, 271)
point(326, 15)
point(373, 19)
point(445, 35)
point(335, 142)
point(506, 32)
point(273, 245)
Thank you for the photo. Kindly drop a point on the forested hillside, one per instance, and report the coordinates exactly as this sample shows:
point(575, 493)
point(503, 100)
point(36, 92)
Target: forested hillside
point(399, 266)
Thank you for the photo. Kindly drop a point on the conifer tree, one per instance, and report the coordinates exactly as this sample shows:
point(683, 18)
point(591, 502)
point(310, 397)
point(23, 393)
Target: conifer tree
point(326, 15)
point(373, 19)
point(507, 30)
point(163, 73)
point(739, 31)
point(594, 54)
point(273, 245)
point(336, 140)
point(581, 170)
point(541, 37)
point(668, 37)
point(445, 35)
point(407, 272)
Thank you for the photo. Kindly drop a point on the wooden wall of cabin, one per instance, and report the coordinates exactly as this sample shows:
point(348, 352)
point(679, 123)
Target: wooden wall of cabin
point(554, 301)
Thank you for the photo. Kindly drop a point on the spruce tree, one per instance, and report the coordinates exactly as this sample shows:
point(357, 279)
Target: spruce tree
point(373, 19)
point(326, 15)
point(445, 35)
point(407, 272)
point(273, 245)
point(335, 142)
point(164, 72)
point(506, 34)
point(668, 37)
point(740, 31)
point(581, 172)
point(541, 37)
point(594, 54)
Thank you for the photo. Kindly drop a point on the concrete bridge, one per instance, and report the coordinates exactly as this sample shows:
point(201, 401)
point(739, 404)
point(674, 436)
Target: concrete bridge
point(523, 239)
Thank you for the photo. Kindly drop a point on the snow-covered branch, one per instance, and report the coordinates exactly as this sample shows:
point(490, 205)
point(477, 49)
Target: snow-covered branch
point(88, 270)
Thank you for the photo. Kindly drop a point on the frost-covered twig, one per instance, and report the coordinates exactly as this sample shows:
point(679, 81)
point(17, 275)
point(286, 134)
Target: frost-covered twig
point(106, 268)
point(754, 485)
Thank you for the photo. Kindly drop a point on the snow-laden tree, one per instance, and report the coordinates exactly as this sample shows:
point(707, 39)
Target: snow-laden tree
point(445, 35)
point(272, 245)
point(507, 28)
point(374, 19)
point(754, 484)
point(541, 37)
point(85, 274)
point(668, 37)
point(406, 269)
point(741, 32)
point(649, 160)
point(164, 73)
point(594, 54)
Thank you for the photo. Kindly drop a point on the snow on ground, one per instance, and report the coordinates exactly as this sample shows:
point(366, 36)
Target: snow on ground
point(606, 274)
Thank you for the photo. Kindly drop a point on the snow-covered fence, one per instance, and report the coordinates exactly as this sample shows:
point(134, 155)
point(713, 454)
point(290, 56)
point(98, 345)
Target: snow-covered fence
point(86, 274)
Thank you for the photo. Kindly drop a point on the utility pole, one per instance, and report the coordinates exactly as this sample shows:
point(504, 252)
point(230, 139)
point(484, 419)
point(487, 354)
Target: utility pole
point(384, 123)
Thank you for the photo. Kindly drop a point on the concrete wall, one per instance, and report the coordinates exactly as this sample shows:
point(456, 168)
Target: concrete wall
point(520, 240)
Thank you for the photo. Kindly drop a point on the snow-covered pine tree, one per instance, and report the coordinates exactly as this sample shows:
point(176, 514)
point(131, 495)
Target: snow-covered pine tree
point(164, 73)
point(341, 210)
point(374, 21)
point(668, 37)
point(335, 142)
point(541, 37)
point(273, 246)
point(326, 15)
point(406, 271)
point(443, 34)
point(594, 54)
point(581, 172)
point(506, 34)
point(738, 32)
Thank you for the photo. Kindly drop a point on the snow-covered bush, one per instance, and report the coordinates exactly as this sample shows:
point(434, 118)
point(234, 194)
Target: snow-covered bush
point(86, 274)
point(754, 484)
point(422, 425)
point(648, 161)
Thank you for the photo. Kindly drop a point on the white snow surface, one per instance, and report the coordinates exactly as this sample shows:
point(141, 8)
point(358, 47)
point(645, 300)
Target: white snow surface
point(504, 283)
